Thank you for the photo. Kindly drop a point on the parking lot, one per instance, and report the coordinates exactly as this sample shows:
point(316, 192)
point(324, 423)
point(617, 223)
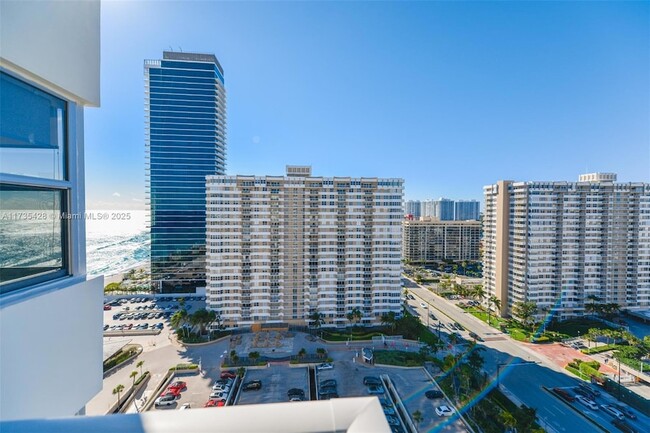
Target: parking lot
point(276, 381)
point(196, 394)
point(411, 384)
point(143, 313)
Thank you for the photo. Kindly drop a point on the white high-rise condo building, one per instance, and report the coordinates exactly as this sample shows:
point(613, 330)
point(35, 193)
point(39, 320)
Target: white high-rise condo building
point(50, 311)
point(565, 244)
point(413, 207)
point(282, 247)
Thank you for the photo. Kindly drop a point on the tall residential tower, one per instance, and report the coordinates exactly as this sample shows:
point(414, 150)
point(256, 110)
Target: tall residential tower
point(283, 247)
point(185, 120)
point(564, 244)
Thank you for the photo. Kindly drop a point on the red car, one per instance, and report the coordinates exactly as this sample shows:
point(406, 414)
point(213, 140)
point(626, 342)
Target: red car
point(107, 307)
point(170, 391)
point(229, 374)
point(177, 386)
point(215, 403)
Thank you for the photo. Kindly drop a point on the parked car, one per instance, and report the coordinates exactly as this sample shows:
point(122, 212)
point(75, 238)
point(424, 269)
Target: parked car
point(228, 374)
point(432, 316)
point(252, 385)
point(444, 411)
point(475, 336)
point(185, 406)
point(611, 410)
point(328, 382)
point(328, 396)
point(215, 403)
point(375, 389)
point(174, 392)
point(371, 380)
point(433, 394)
point(178, 385)
point(165, 400)
point(459, 326)
point(218, 394)
point(585, 393)
point(295, 392)
point(587, 402)
point(423, 305)
point(327, 390)
point(626, 410)
point(107, 307)
point(106, 327)
point(325, 366)
point(624, 426)
point(564, 394)
point(589, 388)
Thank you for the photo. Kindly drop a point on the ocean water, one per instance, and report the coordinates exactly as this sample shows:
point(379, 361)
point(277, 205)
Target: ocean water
point(116, 243)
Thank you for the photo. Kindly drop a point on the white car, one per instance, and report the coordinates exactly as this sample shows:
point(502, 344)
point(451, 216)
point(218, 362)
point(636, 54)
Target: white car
point(423, 305)
point(185, 407)
point(444, 411)
point(325, 366)
point(221, 388)
point(585, 401)
point(613, 411)
point(165, 400)
point(218, 394)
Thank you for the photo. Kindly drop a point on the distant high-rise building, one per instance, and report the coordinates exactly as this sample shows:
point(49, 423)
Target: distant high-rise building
point(413, 207)
point(431, 240)
point(185, 110)
point(443, 209)
point(427, 208)
point(465, 210)
point(564, 245)
point(283, 247)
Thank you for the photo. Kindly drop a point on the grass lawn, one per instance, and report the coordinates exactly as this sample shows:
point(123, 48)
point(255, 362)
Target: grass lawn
point(576, 327)
point(345, 336)
point(397, 357)
point(495, 321)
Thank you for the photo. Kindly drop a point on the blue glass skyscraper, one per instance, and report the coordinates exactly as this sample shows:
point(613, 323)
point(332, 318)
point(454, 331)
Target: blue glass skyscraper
point(185, 122)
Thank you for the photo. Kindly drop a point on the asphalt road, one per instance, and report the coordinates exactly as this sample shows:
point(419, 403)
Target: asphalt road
point(522, 381)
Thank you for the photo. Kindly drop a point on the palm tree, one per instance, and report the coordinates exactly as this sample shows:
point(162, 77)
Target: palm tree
point(592, 307)
point(525, 312)
point(316, 319)
point(417, 417)
point(389, 320)
point(354, 315)
point(118, 390)
point(254, 356)
point(508, 420)
point(133, 375)
point(321, 352)
point(495, 302)
point(301, 353)
point(181, 303)
point(179, 319)
point(139, 365)
point(478, 292)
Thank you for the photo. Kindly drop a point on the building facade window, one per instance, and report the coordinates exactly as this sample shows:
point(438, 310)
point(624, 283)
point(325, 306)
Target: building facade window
point(34, 185)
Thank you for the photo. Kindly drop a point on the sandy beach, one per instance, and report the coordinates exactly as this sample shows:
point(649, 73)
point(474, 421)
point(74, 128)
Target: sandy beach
point(117, 277)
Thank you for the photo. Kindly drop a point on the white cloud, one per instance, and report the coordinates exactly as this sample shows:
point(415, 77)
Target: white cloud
point(117, 194)
point(136, 199)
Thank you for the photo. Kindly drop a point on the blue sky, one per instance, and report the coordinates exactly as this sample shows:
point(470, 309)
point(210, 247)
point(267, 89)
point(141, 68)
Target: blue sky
point(449, 96)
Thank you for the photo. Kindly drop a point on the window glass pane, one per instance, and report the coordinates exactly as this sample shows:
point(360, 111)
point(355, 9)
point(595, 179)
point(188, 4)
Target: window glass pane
point(32, 130)
point(31, 233)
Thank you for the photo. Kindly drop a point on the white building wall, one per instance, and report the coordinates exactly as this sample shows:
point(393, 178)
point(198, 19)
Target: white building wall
point(51, 352)
point(55, 43)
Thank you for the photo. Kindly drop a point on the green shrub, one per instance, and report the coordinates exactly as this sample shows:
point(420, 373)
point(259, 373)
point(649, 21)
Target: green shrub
point(119, 358)
point(185, 367)
point(141, 378)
